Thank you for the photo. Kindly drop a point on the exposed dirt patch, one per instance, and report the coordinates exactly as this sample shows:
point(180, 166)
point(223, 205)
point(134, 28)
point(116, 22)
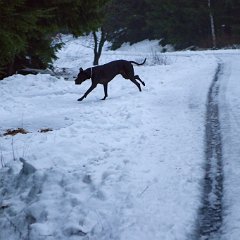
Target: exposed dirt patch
point(13, 132)
point(44, 130)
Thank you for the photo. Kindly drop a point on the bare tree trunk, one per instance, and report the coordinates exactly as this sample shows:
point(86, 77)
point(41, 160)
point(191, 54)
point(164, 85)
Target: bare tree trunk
point(11, 67)
point(212, 25)
point(98, 45)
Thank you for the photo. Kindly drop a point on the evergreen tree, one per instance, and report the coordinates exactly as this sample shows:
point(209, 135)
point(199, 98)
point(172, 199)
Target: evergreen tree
point(17, 22)
point(227, 22)
point(126, 22)
point(28, 25)
point(179, 22)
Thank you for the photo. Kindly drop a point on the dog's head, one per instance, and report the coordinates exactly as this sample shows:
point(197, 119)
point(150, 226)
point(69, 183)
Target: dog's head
point(82, 76)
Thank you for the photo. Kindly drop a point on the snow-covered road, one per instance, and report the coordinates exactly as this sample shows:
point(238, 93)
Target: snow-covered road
point(130, 167)
point(230, 123)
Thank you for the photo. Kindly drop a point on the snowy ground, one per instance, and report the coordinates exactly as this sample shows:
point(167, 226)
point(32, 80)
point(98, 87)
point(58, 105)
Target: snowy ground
point(130, 167)
point(230, 116)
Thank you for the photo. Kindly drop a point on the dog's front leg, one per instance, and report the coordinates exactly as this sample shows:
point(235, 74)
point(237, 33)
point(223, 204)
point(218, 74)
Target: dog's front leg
point(105, 86)
point(87, 92)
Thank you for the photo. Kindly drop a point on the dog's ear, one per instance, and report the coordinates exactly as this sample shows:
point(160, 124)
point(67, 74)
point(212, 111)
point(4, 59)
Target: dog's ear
point(81, 70)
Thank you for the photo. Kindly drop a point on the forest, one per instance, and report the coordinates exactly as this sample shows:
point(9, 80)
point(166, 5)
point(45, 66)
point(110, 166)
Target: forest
point(28, 27)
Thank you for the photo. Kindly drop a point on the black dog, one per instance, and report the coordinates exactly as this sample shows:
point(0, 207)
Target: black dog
point(103, 74)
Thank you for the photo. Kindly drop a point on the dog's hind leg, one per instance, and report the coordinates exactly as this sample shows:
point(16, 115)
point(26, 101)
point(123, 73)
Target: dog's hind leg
point(87, 92)
point(136, 83)
point(138, 78)
point(105, 86)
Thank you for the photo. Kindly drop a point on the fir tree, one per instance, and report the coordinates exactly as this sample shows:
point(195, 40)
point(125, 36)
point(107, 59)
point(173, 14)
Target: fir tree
point(27, 27)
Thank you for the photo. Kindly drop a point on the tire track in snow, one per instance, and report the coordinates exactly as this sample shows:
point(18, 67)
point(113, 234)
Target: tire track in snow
point(210, 215)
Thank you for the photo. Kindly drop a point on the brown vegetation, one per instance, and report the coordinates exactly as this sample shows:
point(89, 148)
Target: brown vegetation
point(13, 132)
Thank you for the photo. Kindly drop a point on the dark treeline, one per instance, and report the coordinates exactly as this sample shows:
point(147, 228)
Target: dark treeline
point(182, 23)
point(27, 26)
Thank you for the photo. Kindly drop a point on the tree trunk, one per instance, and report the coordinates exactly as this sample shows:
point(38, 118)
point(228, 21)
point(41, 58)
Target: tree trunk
point(11, 68)
point(98, 45)
point(214, 45)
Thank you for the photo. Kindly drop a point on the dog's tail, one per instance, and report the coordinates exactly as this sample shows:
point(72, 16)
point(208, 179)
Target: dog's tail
point(138, 63)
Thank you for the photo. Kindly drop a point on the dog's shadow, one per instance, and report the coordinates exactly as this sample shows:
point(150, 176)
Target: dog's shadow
point(109, 99)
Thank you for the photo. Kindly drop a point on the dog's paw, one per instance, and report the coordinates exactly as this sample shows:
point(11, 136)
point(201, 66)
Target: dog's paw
point(80, 99)
point(144, 84)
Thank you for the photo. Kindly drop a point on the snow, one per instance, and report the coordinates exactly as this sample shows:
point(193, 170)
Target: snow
point(230, 116)
point(145, 46)
point(129, 167)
